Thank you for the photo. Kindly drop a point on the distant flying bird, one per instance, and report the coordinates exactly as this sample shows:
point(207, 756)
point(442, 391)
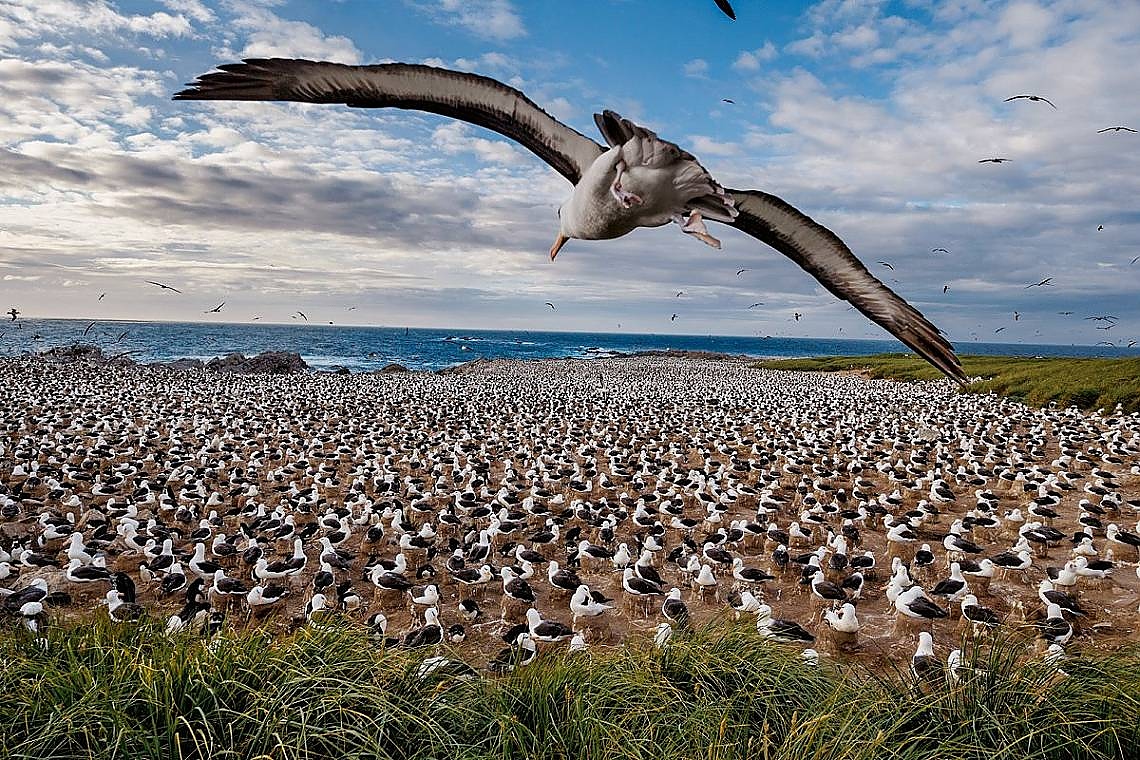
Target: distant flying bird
point(742, 271)
point(1064, 313)
point(994, 160)
point(673, 318)
point(998, 330)
point(728, 100)
point(1043, 283)
point(122, 335)
point(724, 6)
point(797, 315)
point(1104, 318)
point(758, 303)
point(254, 319)
point(1109, 326)
point(1016, 316)
point(88, 328)
point(887, 265)
point(548, 303)
point(302, 315)
point(1115, 129)
point(164, 287)
point(1034, 98)
point(939, 250)
point(216, 310)
point(679, 294)
point(1106, 343)
point(1130, 263)
point(101, 296)
point(351, 308)
point(635, 180)
point(1131, 343)
point(1099, 227)
point(945, 288)
point(14, 313)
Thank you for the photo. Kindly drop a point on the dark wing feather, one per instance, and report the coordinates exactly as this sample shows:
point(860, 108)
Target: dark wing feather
point(724, 6)
point(467, 97)
point(824, 256)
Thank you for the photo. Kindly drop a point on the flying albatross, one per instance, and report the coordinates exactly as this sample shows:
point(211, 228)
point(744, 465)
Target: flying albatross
point(640, 181)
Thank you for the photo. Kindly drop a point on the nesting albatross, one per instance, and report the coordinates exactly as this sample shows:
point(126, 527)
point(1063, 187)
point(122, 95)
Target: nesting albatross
point(641, 180)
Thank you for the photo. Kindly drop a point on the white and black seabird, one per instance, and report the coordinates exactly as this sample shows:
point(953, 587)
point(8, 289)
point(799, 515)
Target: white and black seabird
point(641, 180)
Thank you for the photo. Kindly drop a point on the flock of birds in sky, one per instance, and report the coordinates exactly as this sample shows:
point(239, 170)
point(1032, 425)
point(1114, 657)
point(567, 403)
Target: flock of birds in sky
point(513, 507)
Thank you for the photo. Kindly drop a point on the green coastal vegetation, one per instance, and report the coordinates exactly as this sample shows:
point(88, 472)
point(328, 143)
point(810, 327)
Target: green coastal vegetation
point(1085, 383)
point(98, 690)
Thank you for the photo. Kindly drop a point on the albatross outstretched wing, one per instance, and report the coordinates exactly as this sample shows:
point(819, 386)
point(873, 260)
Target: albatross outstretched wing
point(468, 97)
point(825, 257)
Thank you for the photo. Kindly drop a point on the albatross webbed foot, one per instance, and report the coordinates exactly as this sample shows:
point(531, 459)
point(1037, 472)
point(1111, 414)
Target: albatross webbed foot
point(624, 197)
point(695, 226)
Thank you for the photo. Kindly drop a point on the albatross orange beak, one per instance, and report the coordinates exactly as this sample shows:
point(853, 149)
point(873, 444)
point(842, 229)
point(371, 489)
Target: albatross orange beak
point(558, 243)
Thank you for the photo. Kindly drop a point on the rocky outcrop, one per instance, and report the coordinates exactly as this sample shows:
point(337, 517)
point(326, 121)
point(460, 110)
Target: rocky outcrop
point(85, 352)
point(181, 365)
point(269, 363)
point(390, 368)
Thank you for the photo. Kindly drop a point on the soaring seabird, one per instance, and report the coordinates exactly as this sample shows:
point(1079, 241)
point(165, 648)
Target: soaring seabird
point(640, 181)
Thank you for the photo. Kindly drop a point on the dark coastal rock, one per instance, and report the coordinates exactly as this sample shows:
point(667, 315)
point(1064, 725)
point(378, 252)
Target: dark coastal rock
point(85, 352)
point(183, 364)
point(76, 352)
point(464, 368)
point(269, 362)
point(390, 368)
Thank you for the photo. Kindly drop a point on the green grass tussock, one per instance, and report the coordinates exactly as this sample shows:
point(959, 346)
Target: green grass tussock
point(1084, 383)
point(721, 692)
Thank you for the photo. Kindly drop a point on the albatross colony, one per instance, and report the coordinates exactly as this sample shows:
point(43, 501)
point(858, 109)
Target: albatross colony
point(513, 507)
point(641, 180)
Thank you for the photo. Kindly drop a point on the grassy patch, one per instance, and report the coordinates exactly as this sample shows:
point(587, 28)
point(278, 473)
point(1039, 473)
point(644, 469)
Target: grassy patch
point(1084, 383)
point(99, 691)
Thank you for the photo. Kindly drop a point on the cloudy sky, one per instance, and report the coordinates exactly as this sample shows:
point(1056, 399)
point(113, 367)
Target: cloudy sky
point(869, 115)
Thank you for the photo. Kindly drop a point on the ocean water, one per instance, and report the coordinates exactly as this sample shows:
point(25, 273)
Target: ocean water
point(368, 348)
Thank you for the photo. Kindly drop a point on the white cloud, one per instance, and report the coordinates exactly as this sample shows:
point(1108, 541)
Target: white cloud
point(490, 19)
point(39, 19)
point(194, 9)
point(1026, 23)
point(750, 60)
point(269, 35)
point(697, 68)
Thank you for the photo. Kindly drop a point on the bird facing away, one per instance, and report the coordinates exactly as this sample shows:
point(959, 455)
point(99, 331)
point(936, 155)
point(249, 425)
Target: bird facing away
point(638, 180)
point(1034, 98)
point(1115, 129)
point(164, 287)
